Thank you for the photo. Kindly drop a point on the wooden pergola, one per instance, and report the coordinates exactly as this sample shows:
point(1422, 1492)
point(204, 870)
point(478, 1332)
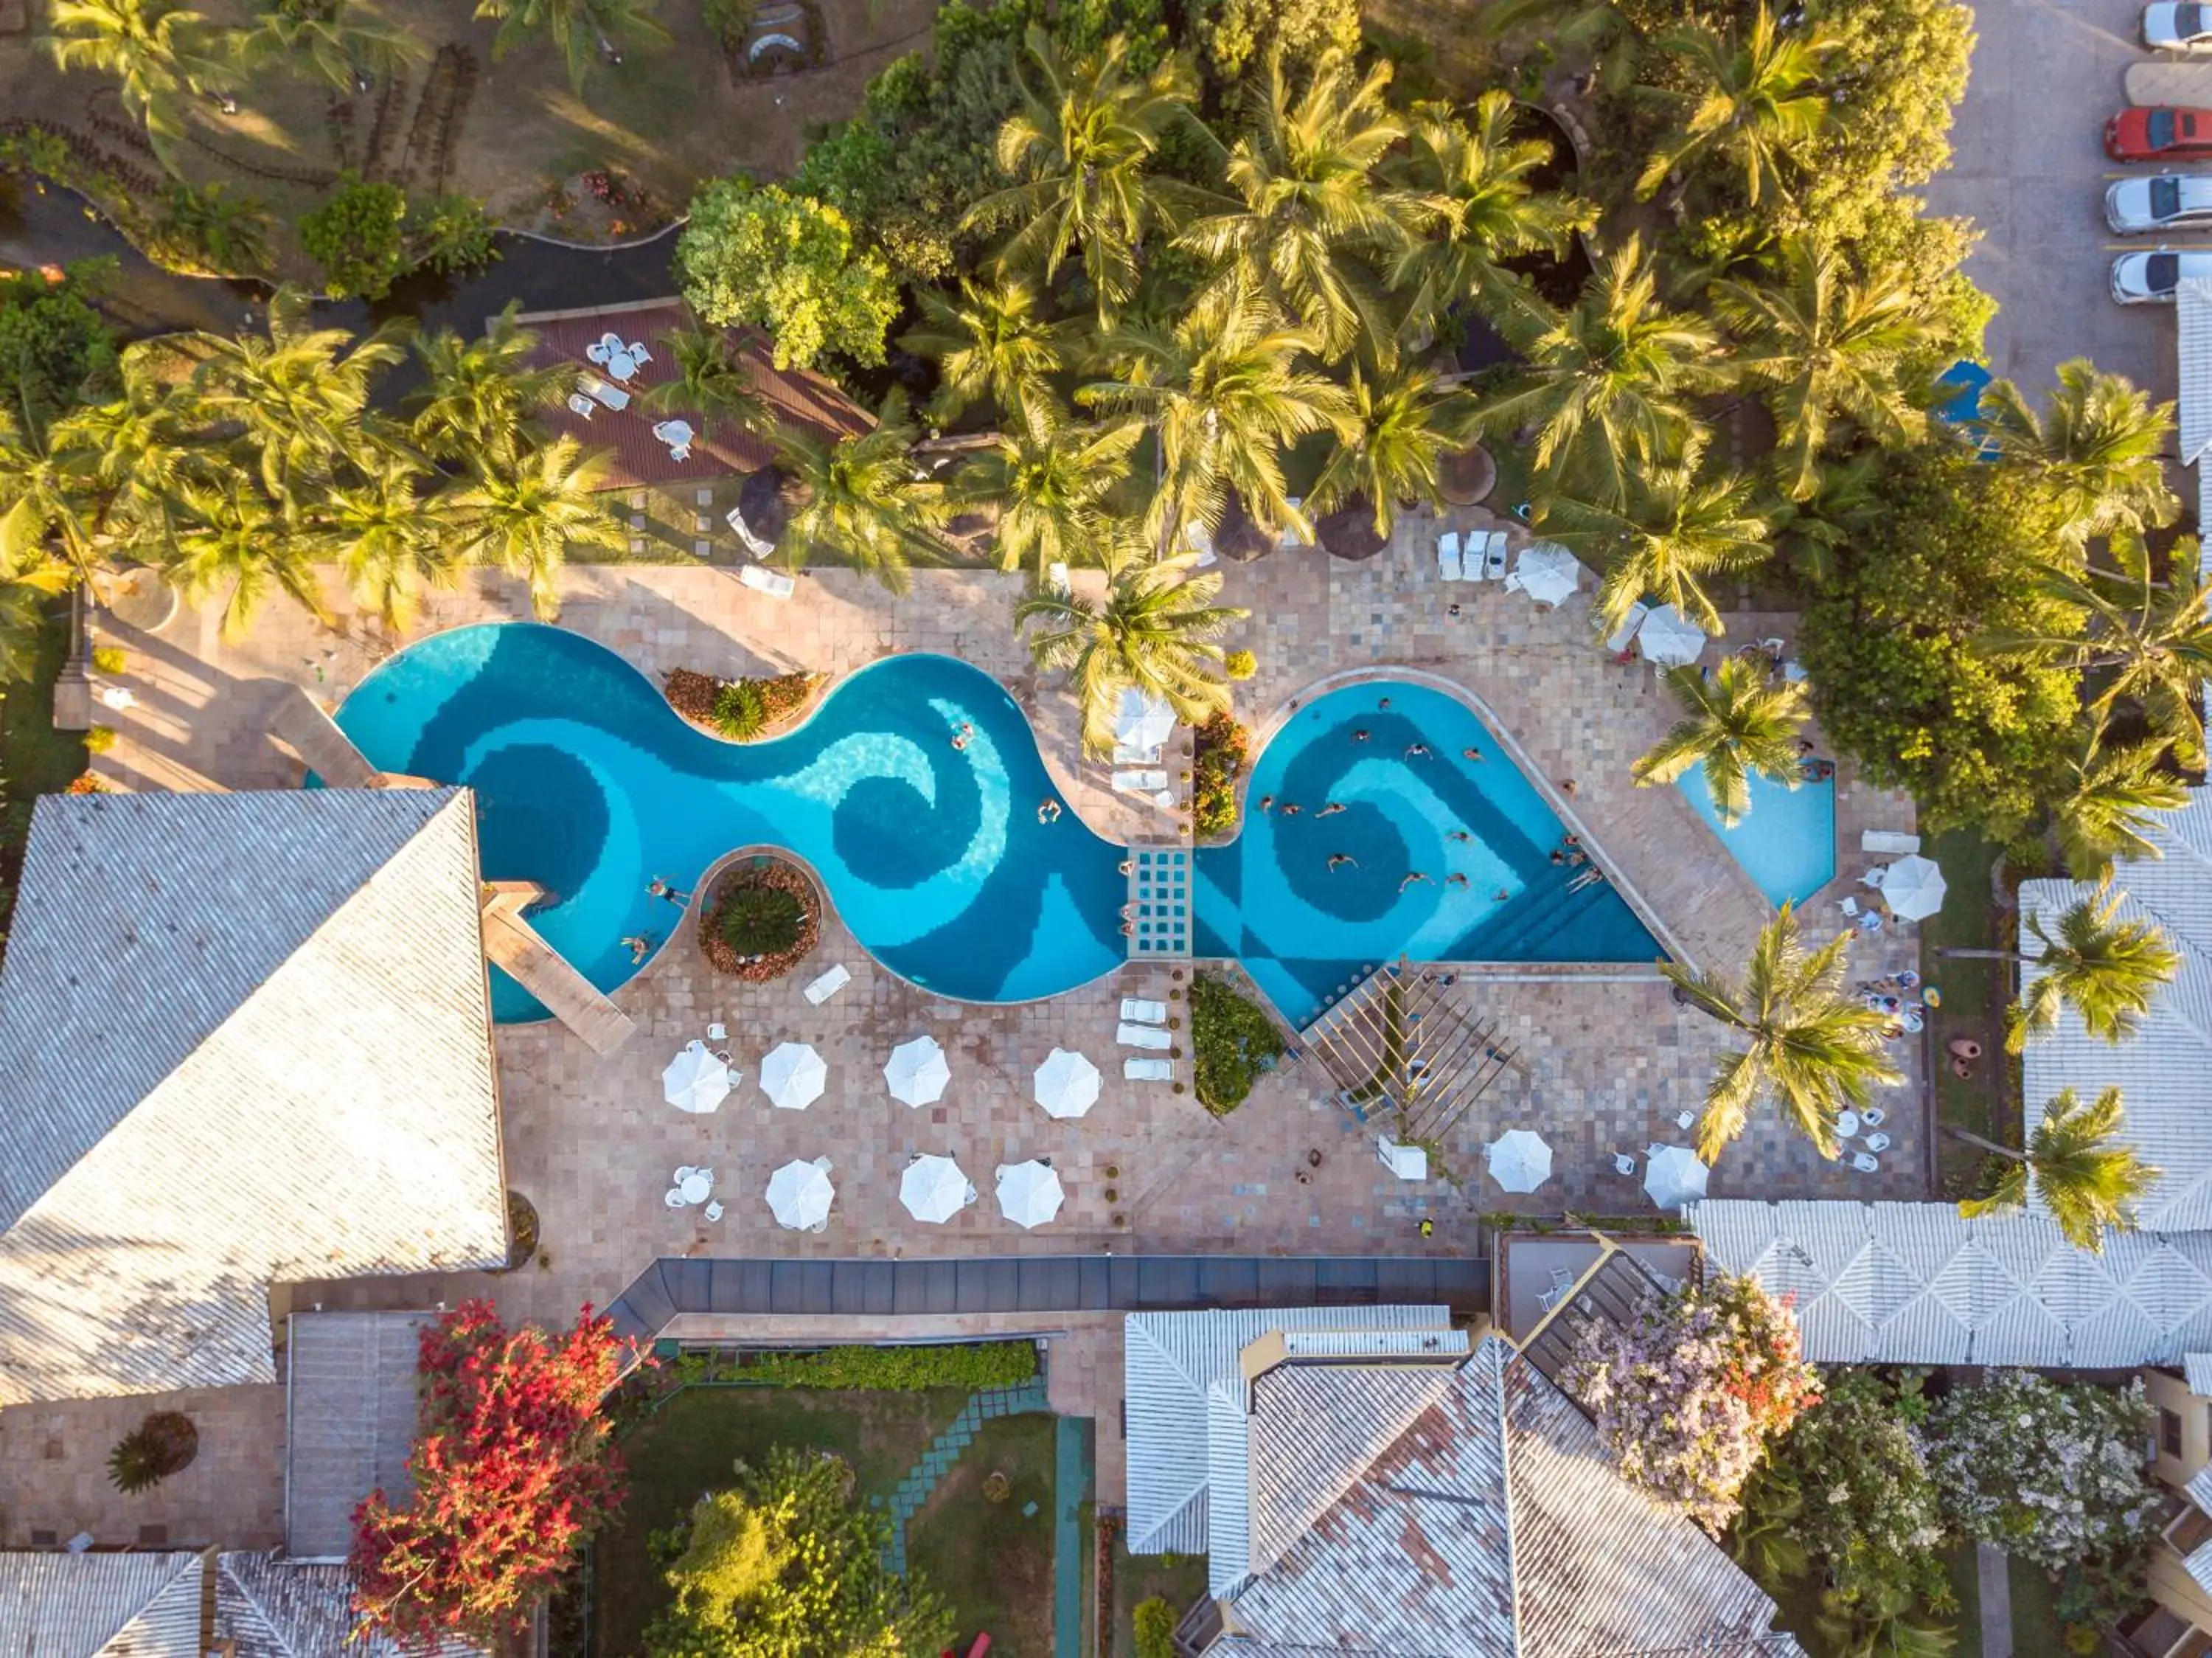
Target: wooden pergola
point(1400, 1042)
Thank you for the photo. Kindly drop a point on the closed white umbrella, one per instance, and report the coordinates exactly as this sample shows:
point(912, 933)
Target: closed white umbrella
point(916, 1072)
point(1066, 1084)
point(1547, 572)
point(793, 1076)
point(1028, 1193)
point(1670, 638)
point(800, 1195)
point(696, 1081)
point(1142, 720)
point(1913, 889)
point(1519, 1160)
point(1674, 1177)
point(934, 1190)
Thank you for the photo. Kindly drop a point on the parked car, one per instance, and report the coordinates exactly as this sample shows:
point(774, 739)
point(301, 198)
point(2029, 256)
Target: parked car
point(2147, 278)
point(2159, 133)
point(2177, 25)
point(2171, 201)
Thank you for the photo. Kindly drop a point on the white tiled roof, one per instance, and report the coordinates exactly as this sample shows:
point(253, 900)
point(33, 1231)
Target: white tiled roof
point(278, 1608)
point(350, 1409)
point(2192, 306)
point(2197, 1368)
point(101, 1605)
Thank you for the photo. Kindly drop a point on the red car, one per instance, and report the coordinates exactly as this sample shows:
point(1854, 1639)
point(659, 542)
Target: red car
point(2160, 133)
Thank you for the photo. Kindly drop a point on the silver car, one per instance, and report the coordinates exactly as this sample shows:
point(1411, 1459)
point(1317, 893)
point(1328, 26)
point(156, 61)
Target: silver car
point(2151, 278)
point(2168, 201)
point(2178, 26)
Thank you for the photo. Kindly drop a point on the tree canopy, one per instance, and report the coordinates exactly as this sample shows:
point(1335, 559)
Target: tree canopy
point(759, 255)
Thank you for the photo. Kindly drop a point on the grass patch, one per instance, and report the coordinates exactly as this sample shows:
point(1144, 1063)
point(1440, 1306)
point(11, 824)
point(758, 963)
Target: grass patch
point(687, 1448)
point(1958, 1565)
point(1177, 1579)
point(2037, 1632)
point(35, 759)
point(991, 1563)
point(1974, 996)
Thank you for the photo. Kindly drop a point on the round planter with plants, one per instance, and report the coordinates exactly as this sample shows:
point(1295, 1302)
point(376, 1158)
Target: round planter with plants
point(164, 1444)
point(761, 918)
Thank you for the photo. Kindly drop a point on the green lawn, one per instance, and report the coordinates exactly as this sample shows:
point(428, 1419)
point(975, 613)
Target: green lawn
point(1177, 1579)
point(1960, 1566)
point(1974, 995)
point(2036, 1631)
point(991, 1562)
point(35, 759)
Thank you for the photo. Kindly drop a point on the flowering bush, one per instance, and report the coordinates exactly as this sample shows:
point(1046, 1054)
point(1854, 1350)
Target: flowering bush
point(511, 1470)
point(1686, 1400)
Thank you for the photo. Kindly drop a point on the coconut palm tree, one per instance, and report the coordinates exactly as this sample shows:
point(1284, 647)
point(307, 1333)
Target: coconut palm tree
point(1398, 429)
point(210, 228)
point(1471, 205)
point(863, 498)
point(1825, 346)
point(393, 542)
point(1157, 630)
point(53, 509)
point(2112, 800)
point(480, 392)
point(230, 540)
point(159, 53)
point(580, 30)
point(1741, 723)
point(327, 39)
point(1050, 479)
point(1809, 534)
point(2087, 1176)
point(2105, 968)
point(1811, 1047)
point(1756, 100)
point(1079, 146)
point(523, 511)
point(1605, 385)
point(992, 342)
point(2100, 443)
point(711, 382)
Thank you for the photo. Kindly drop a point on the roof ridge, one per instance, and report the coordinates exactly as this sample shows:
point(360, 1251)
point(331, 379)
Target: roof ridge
point(1502, 1359)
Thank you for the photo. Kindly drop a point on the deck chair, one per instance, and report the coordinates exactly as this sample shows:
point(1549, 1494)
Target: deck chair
point(828, 984)
point(1147, 1070)
point(1634, 620)
point(1139, 1011)
point(773, 582)
point(1143, 1036)
point(1449, 567)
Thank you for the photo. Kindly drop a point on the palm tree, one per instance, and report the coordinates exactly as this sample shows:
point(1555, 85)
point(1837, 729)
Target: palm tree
point(231, 539)
point(523, 511)
point(1812, 1047)
point(1758, 101)
point(1605, 385)
point(1080, 145)
point(2104, 968)
point(2086, 1175)
point(479, 393)
point(50, 509)
point(1593, 31)
point(863, 497)
point(993, 341)
point(2112, 800)
point(1741, 723)
point(27, 583)
point(226, 233)
point(579, 29)
point(1810, 533)
point(1308, 210)
point(711, 382)
point(1826, 345)
point(158, 53)
point(1396, 437)
point(328, 40)
point(393, 542)
point(1158, 630)
point(2100, 443)
point(1050, 479)
point(1472, 203)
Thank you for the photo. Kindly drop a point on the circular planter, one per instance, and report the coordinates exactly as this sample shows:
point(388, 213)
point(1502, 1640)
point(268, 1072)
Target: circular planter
point(139, 598)
point(1468, 478)
point(759, 874)
point(521, 1231)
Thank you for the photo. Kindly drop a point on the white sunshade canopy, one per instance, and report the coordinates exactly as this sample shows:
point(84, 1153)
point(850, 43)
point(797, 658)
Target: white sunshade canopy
point(1066, 1084)
point(1519, 1160)
point(1913, 889)
point(1674, 1177)
point(934, 1190)
point(1670, 638)
point(800, 1194)
point(793, 1076)
point(1142, 720)
point(1547, 572)
point(1028, 1193)
point(696, 1081)
point(916, 1072)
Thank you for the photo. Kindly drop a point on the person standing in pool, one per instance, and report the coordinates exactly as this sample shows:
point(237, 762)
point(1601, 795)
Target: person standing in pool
point(1415, 750)
point(1384, 704)
point(1267, 802)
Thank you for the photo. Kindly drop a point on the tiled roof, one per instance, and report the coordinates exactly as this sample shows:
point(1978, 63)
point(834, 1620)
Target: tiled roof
point(2197, 1368)
point(2192, 306)
point(101, 1605)
point(351, 1408)
point(278, 1608)
point(243, 1036)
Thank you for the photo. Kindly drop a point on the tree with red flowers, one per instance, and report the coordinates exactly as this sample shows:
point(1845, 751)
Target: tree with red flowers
point(511, 1471)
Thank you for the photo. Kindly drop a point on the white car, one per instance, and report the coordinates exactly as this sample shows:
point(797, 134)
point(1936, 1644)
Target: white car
point(2145, 278)
point(2168, 201)
point(2178, 26)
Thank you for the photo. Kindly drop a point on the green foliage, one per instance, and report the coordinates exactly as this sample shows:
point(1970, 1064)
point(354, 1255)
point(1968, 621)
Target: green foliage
point(1238, 33)
point(899, 1370)
point(358, 236)
point(450, 233)
point(1218, 762)
point(1233, 1043)
point(56, 351)
point(100, 739)
point(1240, 665)
point(761, 920)
point(109, 659)
point(1155, 1625)
point(163, 1444)
point(729, 20)
point(785, 263)
point(741, 710)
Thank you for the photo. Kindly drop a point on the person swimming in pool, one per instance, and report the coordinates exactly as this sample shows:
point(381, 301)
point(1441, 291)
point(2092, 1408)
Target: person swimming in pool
point(1338, 860)
point(1416, 875)
point(1384, 703)
point(639, 947)
point(1470, 753)
point(1558, 856)
point(1291, 808)
point(1455, 880)
point(1267, 802)
point(1359, 735)
point(659, 888)
point(1459, 835)
point(1416, 750)
point(962, 734)
point(1330, 810)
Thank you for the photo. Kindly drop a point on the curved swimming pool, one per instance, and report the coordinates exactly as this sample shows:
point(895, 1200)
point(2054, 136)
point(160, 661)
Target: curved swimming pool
point(1786, 842)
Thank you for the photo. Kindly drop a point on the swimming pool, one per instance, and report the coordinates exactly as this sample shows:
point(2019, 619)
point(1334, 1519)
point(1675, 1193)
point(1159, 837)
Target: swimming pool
point(1786, 842)
point(1302, 928)
point(589, 784)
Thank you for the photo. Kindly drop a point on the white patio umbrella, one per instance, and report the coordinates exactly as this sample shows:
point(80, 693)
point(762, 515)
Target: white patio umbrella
point(934, 1190)
point(1547, 572)
point(1028, 1193)
point(1913, 889)
point(1142, 720)
point(800, 1195)
point(1670, 638)
point(696, 1081)
point(916, 1072)
point(1674, 1177)
point(793, 1076)
point(1066, 1084)
point(1519, 1160)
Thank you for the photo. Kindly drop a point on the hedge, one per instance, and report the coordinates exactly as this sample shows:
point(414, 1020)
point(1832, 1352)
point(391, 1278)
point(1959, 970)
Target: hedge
point(1217, 763)
point(1155, 1623)
point(1233, 1044)
point(898, 1370)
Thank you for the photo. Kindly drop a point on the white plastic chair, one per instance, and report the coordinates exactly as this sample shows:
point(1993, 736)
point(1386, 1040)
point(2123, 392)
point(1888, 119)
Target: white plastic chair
point(674, 1197)
point(1623, 1163)
point(1877, 1142)
point(1865, 1162)
point(637, 352)
point(597, 351)
point(718, 1032)
point(1874, 1116)
point(1686, 1120)
point(684, 1173)
point(1850, 906)
point(713, 1210)
point(581, 406)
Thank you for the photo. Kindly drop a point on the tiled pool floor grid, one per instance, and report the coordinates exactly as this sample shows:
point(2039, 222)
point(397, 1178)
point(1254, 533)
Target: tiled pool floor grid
point(1159, 904)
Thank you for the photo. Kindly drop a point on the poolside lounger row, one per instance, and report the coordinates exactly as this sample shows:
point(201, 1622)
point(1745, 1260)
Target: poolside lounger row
point(1140, 782)
point(773, 582)
point(1481, 558)
point(1138, 1011)
point(828, 984)
point(1143, 1036)
point(1125, 755)
point(1147, 1070)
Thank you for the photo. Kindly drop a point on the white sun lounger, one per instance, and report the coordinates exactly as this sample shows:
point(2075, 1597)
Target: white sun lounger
point(1634, 620)
point(773, 582)
point(1493, 560)
point(1478, 556)
point(1449, 567)
point(1138, 783)
point(1138, 1011)
point(593, 386)
point(827, 985)
point(1143, 1036)
point(1891, 843)
point(1125, 755)
point(1055, 577)
point(1200, 541)
point(1147, 1070)
point(1289, 535)
point(735, 518)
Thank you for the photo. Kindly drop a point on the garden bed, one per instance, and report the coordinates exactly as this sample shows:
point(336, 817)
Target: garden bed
point(991, 1563)
point(761, 920)
point(741, 711)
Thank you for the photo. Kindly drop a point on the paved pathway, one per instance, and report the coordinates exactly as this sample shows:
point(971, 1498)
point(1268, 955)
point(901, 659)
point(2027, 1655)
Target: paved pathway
point(1994, 1570)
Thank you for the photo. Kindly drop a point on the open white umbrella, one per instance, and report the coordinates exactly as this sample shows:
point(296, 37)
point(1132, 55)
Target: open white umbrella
point(916, 1072)
point(1547, 572)
point(793, 1076)
point(934, 1190)
point(1519, 1160)
point(800, 1195)
point(1670, 638)
point(1066, 1084)
point(1028, 1193)
point(1674, 1177)
point(1141, 720)
point(1913, 889)
point(696, 1081)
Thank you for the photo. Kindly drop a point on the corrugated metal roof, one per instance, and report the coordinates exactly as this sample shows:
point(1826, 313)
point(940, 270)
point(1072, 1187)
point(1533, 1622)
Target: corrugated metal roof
point(2192, 308)
point(2200, 1490)
point(255, 1027)
point(1228, 1489)
point(101, 1605)
point(350, 1422)
point(2197, 1368)
point(278, 1608)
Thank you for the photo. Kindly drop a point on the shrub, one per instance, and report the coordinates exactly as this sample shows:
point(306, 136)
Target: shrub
point(728, 20)
point(761, 920)
point(1241, 664)
point(740, 710)
point(164, 1444)
point(899, 1370)
point(109, 659)
point(1218, 762)
point(756, 254)
point(100, 738)
point(691, 693)
point(1233, 1042)
point(449, 233)
point(358, 236)
point(1155, 1624)
point(997, 1488)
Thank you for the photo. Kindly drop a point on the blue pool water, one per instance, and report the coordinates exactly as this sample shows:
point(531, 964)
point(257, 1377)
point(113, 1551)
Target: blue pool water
point(1786, 842)
point(1302, 930)
point(589, 785)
